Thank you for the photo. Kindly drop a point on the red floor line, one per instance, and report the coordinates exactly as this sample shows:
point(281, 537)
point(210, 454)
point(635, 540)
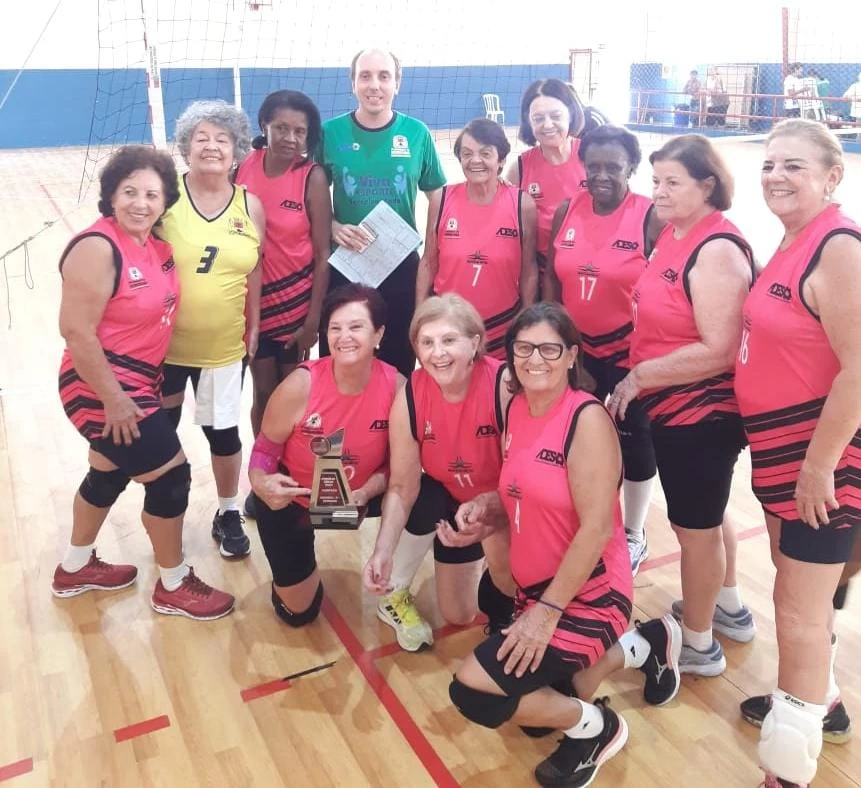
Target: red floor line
point(56, 208)
point(669, 558)
point(141, 728)
point(16, 769)
point(400, 716)
point(386, 650)
point(262, 690)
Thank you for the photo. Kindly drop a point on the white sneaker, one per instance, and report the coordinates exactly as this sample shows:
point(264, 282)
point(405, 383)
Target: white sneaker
point(399, 611)
point(638, 549)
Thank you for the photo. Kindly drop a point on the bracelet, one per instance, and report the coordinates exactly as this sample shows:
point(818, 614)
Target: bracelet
point(544, 602)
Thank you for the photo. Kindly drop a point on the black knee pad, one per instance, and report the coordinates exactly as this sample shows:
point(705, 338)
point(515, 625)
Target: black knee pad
point(297, 620)
point(102, 488)
point(498, 607)
point(174, 414)
point(223, 443)
point(482, 707)
point(167, 496)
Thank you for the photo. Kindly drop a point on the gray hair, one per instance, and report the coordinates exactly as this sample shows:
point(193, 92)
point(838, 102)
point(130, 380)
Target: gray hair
point(218, 112)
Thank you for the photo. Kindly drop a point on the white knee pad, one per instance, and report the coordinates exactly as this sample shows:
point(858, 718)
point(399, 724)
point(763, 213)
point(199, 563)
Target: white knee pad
point(791, 738)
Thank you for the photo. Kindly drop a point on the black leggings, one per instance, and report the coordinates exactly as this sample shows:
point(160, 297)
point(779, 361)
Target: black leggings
point(288, 541)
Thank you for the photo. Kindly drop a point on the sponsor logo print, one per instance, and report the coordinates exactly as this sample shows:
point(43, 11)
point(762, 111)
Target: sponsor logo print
point(486, 431)
point(379, 425)
point(628, 246)
point(534, 191)
point(236, 225)
point(400, 146)
point(670, 276)
point(568, 241)
point(780, 292)
point(291, 205)
point(507, 232)
point(168, 266)
point(313, 425)
point(551, 457)
point(136, 279)
point(451, 230)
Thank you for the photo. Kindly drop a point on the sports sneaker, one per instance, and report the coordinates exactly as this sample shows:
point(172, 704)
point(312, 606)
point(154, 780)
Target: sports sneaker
point(398, 610)
point(736, 626)
point(836, 726)
point(250, 505)
point(95, 575)
point(228, 532)
point(576, 761)
point(662, 666)
point(702, 663)
point(194, 599)
point(771, 781)
point(638, 549)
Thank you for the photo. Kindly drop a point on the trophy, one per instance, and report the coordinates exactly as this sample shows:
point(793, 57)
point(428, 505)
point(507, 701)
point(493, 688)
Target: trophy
point(332, 504)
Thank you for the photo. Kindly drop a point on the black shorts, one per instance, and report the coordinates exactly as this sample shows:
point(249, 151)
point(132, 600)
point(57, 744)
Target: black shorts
point(274, 348)
point(553, 668)
point(435, 503)
point(635, 435)
point(176, 376)
point(695, 465)
point(827, 545)
point(157, 445)
point(288, 541)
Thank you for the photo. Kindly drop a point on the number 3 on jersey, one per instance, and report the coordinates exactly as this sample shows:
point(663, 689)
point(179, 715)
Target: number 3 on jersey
point(207, 260)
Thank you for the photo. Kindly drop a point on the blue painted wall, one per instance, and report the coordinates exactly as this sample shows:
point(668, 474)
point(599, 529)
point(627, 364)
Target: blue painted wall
point(49, 108)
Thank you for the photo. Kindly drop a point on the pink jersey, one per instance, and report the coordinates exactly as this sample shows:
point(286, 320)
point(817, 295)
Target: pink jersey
point(598, 260)
point(664, 321)
point(549, 184)
point(364, 417)
point(288, 253)
point(480, 256)
point(459, 441)
point(134, 331)
point(784, 372)
point(543, 521)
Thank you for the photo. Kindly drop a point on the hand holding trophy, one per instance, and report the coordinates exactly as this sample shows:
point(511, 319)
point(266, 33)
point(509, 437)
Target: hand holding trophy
point(332, 503)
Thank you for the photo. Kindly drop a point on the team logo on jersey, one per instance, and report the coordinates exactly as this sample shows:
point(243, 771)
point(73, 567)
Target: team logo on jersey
point(551, 457)
point(513, 490)
point(508, 232)
point(568, 241)
point(477, 258)
point(236, 225)
point(627, 246)
point(400, 146)
point(136, 279)
point(588, 269)
point(486, 431)
point(313, 424)
point(167, 266)
point(780, 292)
point(534, 191)
point(348, 458)
point(451, 230)
point(670, 276)
point(460, 465)
point(429, 433)
point(379, 425)
point(291, 205)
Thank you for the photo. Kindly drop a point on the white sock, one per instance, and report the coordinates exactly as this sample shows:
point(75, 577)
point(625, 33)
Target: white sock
point(635, 648)
point(729, 599)
point(408, 557)
point(590, 725)
point(172, 579)
point(833, 692)
point(77, 557)
point(638, 495)
point(701, 641)
point(228, 504)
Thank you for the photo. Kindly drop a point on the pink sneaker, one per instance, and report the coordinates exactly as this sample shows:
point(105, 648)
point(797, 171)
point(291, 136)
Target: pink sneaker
point(96, 575)
point(194, 599)
point(771, 781)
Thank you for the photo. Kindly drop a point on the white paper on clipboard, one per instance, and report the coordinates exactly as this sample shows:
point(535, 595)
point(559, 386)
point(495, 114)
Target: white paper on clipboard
point(393, 240)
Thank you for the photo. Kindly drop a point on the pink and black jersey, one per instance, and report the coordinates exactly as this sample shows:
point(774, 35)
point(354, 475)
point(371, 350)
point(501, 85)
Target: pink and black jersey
point(598, 260)
point(480, 256)
point(288, 253)
point(543, 521)
point(784, 371)
point(664, 321)
point(364, 417)
point(135, 328)
point(548, 184)
point(459, 441)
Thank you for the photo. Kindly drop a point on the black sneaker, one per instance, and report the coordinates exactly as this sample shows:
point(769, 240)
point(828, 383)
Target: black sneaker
point(250, 505)
point(662, 666)
point(836, 726)
point(227, 531)
point(535, 732)
point(576, 761)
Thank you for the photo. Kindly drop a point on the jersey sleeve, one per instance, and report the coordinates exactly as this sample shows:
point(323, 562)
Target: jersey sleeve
point(432, 175)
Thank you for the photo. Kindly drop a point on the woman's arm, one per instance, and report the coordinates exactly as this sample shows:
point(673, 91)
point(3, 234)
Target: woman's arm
point(528, 267)
point(551, 288)
point(835, 295)
point(653, 230)
point(88, 284)
point(429, 263)
point(254, 281)
point(512, 172)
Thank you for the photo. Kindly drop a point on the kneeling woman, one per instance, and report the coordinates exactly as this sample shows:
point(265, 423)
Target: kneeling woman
point(559, 494)
point(349, 389)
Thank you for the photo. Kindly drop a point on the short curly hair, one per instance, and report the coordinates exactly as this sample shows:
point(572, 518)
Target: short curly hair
point(129, 159)
point(612, 135)
point(218, 112)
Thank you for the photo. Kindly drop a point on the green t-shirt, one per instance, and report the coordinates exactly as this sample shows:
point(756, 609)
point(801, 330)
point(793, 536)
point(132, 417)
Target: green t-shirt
point(366, 166)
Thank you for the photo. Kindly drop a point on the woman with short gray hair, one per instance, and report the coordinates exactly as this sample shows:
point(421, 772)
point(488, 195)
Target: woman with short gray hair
point(215, 230)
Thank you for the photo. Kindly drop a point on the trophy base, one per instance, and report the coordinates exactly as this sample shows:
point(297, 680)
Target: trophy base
point(346, 518)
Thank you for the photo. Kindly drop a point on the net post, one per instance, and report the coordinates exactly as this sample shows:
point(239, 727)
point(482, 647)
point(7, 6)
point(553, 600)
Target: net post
point(149, 10)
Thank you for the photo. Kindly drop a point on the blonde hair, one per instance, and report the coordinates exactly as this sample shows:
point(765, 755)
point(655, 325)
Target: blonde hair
point(449, 306)
point(823, 138)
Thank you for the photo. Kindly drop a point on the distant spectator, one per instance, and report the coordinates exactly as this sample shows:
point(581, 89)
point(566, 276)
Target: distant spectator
point(854, 92)
point(717, 99)
point(823, 90)
point(693, 88)
point(812, 107)
point(793, 87)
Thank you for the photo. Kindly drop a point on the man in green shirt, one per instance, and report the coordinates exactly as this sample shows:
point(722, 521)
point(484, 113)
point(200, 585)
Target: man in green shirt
point(375, 154)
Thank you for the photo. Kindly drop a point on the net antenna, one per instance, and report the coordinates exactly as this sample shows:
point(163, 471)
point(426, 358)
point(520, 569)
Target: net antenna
point(149, 10)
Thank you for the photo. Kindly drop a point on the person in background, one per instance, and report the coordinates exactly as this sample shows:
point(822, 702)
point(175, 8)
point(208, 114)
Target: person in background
point(853, 110)
point(717, 99)
point(793, 90)
point(693, 90)
point(281, 172)
point(216, 229)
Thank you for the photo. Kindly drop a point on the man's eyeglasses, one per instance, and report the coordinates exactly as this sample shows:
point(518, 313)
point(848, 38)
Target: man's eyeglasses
point(549, 351)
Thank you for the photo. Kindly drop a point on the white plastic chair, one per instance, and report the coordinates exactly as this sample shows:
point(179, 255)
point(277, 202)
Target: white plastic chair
point(491, 108)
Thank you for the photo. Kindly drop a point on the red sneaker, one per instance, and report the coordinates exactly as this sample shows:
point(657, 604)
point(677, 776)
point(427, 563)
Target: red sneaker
point(194, 599)
point(96, 575)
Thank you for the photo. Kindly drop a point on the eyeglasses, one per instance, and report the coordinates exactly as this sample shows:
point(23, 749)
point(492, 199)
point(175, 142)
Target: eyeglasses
point(549, 351)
